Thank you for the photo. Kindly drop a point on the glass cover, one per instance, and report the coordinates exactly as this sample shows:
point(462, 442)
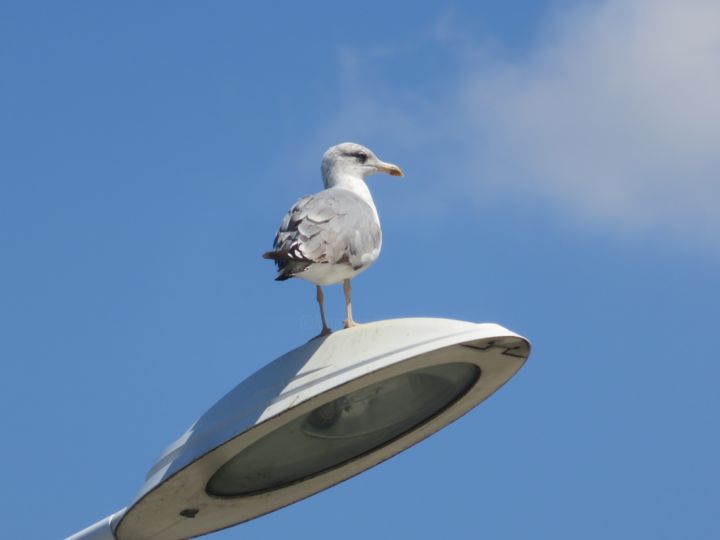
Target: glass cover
point(342, 430)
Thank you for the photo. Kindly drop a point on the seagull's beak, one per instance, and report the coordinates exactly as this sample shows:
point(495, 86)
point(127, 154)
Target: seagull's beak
point(392, 170)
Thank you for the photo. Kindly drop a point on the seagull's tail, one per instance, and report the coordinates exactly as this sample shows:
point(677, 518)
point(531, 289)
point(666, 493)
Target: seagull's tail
point(284, 256)
point(282, 261)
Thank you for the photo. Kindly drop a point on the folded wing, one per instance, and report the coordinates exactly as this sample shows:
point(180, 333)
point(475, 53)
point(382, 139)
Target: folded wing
point(334, 226)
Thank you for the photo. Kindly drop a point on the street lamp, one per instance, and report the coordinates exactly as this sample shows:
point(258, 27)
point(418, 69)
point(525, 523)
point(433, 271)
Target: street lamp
point(314, 417)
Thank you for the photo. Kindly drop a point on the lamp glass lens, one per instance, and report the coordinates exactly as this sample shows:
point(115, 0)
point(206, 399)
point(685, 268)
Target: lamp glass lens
point(342, 430)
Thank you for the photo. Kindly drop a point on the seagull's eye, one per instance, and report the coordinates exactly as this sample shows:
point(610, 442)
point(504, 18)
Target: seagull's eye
point(360, 156)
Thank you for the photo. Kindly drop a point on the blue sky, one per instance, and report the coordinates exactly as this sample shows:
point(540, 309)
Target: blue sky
point(561, 163)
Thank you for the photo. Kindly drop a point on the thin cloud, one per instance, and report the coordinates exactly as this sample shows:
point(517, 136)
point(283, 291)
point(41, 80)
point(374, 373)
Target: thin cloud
point(615, 117)
point(612, 116)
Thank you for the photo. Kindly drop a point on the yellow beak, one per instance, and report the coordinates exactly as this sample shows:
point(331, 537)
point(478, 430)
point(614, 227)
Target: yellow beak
point(392, 170)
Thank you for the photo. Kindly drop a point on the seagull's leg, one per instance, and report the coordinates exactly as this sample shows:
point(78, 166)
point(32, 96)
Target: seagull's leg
point(349, 323)
point(321, 298)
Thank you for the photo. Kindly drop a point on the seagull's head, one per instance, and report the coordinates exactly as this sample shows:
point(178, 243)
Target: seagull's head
point(352, 159)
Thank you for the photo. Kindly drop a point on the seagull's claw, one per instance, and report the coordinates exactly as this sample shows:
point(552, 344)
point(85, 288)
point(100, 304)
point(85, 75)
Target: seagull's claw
point(324, 333)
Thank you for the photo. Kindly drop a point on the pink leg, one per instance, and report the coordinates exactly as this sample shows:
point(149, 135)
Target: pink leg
point(349, 322)
point(320, 299)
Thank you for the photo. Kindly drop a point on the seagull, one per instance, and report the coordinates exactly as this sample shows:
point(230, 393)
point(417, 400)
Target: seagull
point(333, 235)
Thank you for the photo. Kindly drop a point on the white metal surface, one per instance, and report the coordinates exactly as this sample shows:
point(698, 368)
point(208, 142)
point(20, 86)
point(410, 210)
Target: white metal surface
point(173, 502)
point(102, 530)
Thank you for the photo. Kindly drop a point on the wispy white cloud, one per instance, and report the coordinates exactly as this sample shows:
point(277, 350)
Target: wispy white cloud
point(612, 115)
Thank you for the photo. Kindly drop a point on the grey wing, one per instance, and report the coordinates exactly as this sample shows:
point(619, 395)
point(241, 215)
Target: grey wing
point(334, 226)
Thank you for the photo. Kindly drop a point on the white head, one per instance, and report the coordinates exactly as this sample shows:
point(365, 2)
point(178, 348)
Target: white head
point(353, 160)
